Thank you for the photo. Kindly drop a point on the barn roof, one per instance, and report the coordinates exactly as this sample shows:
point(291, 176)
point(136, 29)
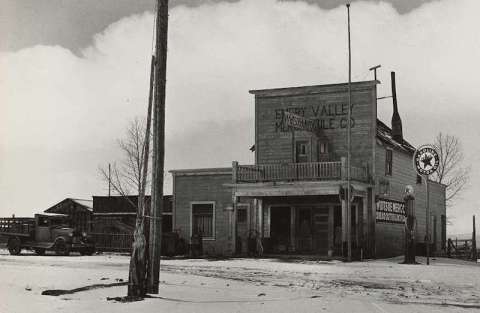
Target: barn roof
point(68, 204)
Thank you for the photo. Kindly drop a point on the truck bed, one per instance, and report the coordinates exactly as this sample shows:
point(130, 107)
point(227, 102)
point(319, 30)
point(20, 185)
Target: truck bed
point(17, 226)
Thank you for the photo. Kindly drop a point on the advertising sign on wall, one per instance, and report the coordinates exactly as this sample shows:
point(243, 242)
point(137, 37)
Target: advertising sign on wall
point(390, 211)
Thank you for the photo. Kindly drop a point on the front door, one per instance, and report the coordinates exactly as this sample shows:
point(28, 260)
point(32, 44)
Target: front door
point(320, 230)
point(304, 230)
point(242, 228)
point(280, 228)
point(302, 151)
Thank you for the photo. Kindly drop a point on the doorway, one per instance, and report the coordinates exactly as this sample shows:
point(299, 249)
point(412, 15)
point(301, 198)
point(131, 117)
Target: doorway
point(320, 230)
point(280, 228)
point(302, 151)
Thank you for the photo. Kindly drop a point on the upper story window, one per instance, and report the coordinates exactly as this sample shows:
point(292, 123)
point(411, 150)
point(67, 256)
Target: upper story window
point(302, 151)
point(388, 162)
point(322, 147)
point(323, 151)
point(203, 219)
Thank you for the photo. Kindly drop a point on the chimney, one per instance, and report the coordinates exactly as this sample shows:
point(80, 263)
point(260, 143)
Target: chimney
point(396, 121)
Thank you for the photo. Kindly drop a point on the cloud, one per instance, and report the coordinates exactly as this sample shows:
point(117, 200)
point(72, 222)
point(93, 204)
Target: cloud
point(61, 112)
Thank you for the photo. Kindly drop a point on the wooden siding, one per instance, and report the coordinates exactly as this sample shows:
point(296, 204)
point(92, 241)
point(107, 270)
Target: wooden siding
point(390, 237)
point(328, 105)
point(208, 187)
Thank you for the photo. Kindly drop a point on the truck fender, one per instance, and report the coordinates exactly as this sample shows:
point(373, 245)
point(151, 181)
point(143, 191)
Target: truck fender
point(57, 239)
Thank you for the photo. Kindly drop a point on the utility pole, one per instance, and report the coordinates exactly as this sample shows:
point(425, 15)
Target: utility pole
point(474, 242)
point(109, 180)
point(158, 146)
point(427, 222)
point(349, 126)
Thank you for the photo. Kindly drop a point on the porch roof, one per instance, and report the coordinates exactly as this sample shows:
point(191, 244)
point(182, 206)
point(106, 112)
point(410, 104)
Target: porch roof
point(279, 189)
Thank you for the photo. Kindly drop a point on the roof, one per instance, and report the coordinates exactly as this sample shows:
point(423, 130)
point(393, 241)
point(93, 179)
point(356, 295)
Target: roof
point(384, 134)
point(66, 206)
point(314, 89)
point(86, 203)
point(52, 214)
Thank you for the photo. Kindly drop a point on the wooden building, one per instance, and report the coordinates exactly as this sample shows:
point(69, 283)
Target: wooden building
point(291, 196)
point(114, 220)
point(79, 211)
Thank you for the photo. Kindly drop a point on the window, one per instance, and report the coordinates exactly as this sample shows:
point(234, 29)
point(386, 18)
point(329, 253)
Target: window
point(419, 179)
point(388, 162)
point(241, 214)
point(203, 219)
point(302, 151)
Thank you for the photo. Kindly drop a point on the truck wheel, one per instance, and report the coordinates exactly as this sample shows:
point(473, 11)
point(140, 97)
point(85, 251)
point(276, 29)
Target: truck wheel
point(14, 246)
point(61, 247)
point(40, 251)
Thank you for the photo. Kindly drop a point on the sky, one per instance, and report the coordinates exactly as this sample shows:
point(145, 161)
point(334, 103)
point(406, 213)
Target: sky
point(74, 73)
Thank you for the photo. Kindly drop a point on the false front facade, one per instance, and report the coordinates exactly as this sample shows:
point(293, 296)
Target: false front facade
point(292, 199)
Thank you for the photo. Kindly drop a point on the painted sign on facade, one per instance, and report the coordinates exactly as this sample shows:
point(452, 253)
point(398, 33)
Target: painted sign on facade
point(390, 211)
point(326, 116)
point(299, 122)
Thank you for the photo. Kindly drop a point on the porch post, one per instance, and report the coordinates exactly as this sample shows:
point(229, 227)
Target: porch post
point(357, 227)
point(365, 225)
point(372, 222)
point(260, 218)
point(331, 228)
point(344, 228)
point(233, 221)
point(292, 229)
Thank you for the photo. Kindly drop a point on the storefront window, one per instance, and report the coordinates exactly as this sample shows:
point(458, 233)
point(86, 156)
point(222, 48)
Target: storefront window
point(203, 216)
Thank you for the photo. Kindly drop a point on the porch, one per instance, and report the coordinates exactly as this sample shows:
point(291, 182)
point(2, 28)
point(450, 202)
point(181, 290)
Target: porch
point(308, 171)
point(304, 225)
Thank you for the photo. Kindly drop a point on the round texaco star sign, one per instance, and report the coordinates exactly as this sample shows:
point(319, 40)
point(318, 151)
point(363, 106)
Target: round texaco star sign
point(426, 160)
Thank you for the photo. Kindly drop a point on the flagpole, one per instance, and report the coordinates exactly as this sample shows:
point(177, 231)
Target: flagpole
point(349, 117)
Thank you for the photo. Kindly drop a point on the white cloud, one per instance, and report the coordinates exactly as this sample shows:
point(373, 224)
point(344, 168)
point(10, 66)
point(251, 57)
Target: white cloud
point(60, 113)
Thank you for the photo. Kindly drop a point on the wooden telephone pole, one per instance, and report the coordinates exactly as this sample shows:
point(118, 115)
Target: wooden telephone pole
point(349, 153)
point(153, 275)
point(474, 242)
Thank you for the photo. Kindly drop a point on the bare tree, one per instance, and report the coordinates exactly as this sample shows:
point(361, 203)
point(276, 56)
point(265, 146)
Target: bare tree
point(128, 174)
point(452, 171)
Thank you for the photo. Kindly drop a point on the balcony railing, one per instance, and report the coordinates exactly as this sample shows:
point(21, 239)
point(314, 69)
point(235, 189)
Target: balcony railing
point(311, 171)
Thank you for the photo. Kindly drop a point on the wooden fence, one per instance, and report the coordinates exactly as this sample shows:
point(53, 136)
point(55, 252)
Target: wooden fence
point(120, 242)
point(461, 249)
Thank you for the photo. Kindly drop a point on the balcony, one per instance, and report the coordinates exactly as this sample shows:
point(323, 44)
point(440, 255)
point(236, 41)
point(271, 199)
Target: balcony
point(311, 171)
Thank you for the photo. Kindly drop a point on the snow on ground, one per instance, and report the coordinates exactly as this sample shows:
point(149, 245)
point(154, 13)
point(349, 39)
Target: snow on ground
point(242, 285)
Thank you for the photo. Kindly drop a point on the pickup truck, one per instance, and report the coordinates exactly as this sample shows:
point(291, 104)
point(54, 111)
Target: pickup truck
point(44, 232)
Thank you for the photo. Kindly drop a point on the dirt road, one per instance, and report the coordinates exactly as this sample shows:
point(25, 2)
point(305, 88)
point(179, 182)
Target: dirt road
point(241, 285)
